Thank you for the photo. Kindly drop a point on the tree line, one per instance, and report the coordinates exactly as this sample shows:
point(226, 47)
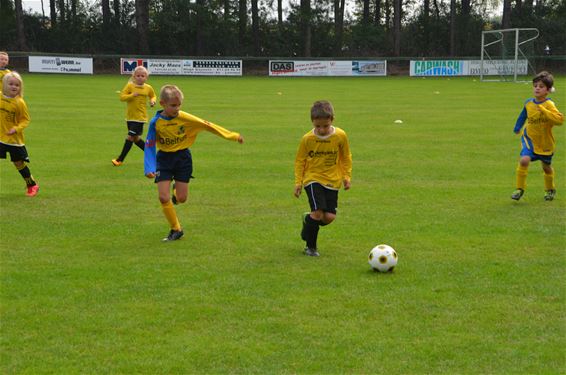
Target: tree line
point(304, 28)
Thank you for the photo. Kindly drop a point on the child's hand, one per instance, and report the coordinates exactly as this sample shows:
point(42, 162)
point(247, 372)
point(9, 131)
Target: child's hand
point(152, 103)
point(150, 175)
point(11, 131)
point(135, 94)
point(347, 184)
point(240, 139)
point(298, 189)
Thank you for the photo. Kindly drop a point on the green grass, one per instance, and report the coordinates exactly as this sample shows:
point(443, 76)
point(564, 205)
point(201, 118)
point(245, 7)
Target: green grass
point(87, 286)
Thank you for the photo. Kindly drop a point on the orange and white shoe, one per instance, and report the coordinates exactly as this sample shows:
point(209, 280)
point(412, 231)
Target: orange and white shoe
point(32, 190)
point(116, 162)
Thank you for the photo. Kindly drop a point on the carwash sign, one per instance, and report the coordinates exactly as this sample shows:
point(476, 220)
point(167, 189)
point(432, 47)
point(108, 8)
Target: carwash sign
point(438, 68)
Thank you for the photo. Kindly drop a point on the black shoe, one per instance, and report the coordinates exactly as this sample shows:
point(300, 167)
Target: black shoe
point(173, 194)
point(303, 231)
point(517, 194)
point(549, 195)
point(173, 235)
point(311, 252)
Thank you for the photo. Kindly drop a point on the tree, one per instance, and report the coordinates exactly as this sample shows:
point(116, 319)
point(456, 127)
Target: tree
point(20, 34)
point(306, 27)
point(338, 25)
point(142, 25)
point(255, 28)
point(452, 27)
point(106, 16)
point(397, 26)
point(242, 21)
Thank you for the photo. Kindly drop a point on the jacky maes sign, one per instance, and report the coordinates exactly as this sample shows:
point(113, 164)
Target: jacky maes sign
point(65, 65)
point(184, 67)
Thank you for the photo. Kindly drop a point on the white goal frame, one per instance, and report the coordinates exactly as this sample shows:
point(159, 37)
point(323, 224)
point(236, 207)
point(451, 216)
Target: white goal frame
point(518, 52)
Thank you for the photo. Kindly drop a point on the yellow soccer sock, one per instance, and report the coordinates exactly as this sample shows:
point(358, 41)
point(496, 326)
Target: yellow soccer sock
point(522, 177)
point(171, 215)
point(549, 181)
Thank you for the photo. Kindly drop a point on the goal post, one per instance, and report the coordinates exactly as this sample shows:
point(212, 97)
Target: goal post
point(507, 54)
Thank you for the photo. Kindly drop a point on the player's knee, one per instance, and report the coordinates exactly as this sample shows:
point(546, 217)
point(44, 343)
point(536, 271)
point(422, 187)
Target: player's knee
point(181, 198)
point(164, 198)
point(328, 217)
point(317, 215)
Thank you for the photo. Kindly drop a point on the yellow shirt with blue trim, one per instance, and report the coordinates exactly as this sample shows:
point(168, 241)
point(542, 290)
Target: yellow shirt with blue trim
point(324, 159)
point(171, 134)
point(13, 114)
point(137, 105)
point(540, 118)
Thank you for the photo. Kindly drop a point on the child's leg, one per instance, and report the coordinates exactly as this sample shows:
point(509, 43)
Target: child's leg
point(167, 205)
point(22, 167)
point(312, 225)
point(125, 149)
point(522, 170)
point(548, 177)
point(139, 142)
point(181, 191)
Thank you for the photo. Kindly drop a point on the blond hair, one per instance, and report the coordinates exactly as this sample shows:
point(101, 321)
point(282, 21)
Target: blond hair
point(170, 91)
point(322, 109)
point(137, 69)
point(4, 53)
point(16, 76)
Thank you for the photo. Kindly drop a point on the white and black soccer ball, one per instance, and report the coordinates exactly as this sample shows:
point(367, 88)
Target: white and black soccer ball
point(382, 258)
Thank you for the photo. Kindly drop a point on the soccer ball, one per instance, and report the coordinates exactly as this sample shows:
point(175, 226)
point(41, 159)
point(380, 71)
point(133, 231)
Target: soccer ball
point(382, 258)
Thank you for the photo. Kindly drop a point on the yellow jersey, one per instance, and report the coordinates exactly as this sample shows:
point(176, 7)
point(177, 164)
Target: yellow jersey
point(137, 105)
point(326, 160)
point(540, 117)
point(3, 72)
point(13, 114)
point(177, 133)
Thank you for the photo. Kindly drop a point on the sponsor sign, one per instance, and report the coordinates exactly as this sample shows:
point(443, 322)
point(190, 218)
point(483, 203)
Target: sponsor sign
point(302, 68)
point(184, 67)
point(498, 67)
point(437, 68)
point(64, 65)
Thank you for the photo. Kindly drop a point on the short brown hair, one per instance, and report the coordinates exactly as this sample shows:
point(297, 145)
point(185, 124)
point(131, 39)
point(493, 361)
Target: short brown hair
point(546, 78)
point(322, 109)
point(170, 91)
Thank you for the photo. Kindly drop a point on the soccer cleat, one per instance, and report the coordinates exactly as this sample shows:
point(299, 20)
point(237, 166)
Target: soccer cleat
point(303, 230)
point(173, 194)
point(549, 195)
point(32, 190)
point(517, 194)
point(311, 252)
point(117, 162)
point(173, 235)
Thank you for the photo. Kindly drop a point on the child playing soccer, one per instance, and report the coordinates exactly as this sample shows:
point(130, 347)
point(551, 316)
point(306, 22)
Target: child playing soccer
point(322, 165)
point(4, 59)
point(14, 118)
point(136, 93)
point(538, 142)
point(174, 131)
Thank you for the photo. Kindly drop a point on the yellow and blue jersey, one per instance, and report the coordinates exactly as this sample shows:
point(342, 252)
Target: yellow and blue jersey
point(171, 134)
point(3, 72)
point(137, 105)
point(326, 160)
point(13, 114)
point(540, 118)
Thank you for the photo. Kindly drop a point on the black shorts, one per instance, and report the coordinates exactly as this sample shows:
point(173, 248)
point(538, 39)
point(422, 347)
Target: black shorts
point(321, 198)
point(135, 128)
point(17, 153)
point(176, 166)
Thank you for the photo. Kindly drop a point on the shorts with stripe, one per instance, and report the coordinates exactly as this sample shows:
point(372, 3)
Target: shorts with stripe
point(528, 150)
point(321, 198)
point(17, 153)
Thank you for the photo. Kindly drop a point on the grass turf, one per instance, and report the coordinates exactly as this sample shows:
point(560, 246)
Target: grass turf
point(87, 286)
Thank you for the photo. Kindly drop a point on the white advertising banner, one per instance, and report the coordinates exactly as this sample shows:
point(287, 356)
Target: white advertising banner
point(65, 65)
point(309, 68)
point(498, 67)
point(176, 67)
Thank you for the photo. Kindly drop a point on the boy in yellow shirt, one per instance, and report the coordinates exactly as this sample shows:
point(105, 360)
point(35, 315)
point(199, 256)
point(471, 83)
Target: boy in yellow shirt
point(4, 60)
point(540, 115)
point(323, 163)
point(173, 131)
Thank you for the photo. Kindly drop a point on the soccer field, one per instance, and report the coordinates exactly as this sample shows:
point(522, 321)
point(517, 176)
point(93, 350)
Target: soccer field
point(87, 286)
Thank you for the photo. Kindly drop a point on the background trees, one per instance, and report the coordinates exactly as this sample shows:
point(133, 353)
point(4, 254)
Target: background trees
point(316, 28)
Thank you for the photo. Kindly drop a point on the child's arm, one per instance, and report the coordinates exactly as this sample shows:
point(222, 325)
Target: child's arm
point(149, 157)
point(300, 163)
point(552, 113)
point(152, 97)
point(22, 118)
point(216, 129)
point(520, 121)
point(126, 94)
point(346, 163)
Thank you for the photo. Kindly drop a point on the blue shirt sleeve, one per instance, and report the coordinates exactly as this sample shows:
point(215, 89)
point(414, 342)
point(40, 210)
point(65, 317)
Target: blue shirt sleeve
point(149, 157)
point(520, 120)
